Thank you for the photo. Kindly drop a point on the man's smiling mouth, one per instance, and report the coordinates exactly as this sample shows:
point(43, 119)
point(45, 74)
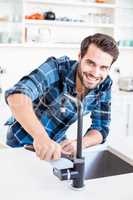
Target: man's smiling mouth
point(91, 78)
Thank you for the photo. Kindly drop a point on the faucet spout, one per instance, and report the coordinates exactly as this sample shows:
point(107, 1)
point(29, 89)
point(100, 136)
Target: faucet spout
point(79, 128)
point(77, 172)
point(79, 105)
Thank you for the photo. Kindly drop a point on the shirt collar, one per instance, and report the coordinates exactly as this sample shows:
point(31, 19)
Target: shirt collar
point(70, 80)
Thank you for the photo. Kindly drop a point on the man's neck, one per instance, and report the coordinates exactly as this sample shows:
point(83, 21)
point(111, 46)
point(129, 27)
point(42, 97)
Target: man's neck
point(80, 87)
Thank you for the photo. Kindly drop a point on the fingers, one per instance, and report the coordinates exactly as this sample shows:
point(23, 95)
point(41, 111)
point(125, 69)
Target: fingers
point(54, 153)
point(65, 143)
point(57, 154)
point(68, 146)
point(48, 155)
point(48, 152)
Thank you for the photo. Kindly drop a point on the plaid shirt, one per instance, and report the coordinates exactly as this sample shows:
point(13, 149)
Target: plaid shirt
point(46, 86)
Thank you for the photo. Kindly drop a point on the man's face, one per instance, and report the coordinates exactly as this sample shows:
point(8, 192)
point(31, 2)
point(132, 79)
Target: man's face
point(94, 67)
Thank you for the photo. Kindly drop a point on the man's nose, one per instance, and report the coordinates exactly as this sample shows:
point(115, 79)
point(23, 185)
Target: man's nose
point(96, 71)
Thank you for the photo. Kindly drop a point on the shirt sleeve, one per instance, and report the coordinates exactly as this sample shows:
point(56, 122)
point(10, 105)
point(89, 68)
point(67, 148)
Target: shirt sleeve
point(101, 115)
point(38, 81)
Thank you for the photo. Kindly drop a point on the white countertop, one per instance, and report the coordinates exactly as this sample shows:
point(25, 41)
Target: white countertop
point(24, 176)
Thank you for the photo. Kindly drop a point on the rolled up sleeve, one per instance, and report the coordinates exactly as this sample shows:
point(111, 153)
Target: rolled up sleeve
point(101, 115)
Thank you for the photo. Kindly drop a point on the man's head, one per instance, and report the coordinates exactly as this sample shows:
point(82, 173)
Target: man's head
point(97, 53)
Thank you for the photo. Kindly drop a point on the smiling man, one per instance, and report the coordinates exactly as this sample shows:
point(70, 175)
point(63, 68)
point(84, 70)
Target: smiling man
point(35, 101)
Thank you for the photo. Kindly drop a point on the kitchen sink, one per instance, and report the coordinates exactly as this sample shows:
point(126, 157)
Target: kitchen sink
point(104, 163)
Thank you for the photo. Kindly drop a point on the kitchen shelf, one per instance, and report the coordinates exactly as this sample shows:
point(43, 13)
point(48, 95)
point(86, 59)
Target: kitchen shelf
point(130, 26)
point(10, 23)
point(53, 46)
point(40, 45)
point(82, 17)
point(55, 23)
point(125, 7)
point(125, 48)
point(76, 4)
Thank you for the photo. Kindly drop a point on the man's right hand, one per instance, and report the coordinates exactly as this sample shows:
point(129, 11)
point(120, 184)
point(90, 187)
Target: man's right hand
point(22, 109)
point(46, 148)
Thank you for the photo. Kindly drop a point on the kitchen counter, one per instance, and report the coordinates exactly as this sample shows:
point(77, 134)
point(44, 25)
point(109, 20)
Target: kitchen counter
point(24, 176)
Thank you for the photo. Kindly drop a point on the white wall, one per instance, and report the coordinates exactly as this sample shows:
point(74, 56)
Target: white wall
point(21, 60)
point(125, 61)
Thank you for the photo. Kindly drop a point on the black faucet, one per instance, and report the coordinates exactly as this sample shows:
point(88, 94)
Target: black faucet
point(75, 172)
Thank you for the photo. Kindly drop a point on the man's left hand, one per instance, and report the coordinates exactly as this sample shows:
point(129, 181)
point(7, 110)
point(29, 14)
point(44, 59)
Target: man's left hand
point(69, 146)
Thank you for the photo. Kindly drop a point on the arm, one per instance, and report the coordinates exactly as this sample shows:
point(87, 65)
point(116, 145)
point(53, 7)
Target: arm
point(22, 109)
point(99, 129)
point(93, 137)
point(20, 98)
point(101, 117)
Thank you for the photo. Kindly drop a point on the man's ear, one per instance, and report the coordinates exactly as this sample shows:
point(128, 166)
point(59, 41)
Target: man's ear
point(79, 56)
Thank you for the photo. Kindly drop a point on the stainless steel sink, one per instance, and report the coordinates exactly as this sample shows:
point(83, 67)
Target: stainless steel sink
point(103, 163)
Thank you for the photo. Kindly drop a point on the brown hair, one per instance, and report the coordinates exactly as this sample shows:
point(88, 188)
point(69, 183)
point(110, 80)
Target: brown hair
point(105, 42)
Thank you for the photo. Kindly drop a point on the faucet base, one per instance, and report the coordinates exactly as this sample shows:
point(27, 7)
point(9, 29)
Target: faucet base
point(79, 166)
point(76, 189)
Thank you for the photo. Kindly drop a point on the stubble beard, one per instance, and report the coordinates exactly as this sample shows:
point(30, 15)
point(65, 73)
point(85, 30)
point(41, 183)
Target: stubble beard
point(80, 75)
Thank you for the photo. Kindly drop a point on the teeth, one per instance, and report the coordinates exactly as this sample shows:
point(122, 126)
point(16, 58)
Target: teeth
point(90, 78)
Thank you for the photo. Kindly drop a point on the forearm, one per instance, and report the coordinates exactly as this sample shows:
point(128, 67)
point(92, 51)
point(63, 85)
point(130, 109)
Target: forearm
point(93, 137)
point(22, 109)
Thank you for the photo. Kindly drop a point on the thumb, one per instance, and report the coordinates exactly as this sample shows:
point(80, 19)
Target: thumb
point(64, 152)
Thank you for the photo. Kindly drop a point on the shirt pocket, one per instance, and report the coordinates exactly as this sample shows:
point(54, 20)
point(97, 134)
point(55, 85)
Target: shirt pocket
point(89, 103)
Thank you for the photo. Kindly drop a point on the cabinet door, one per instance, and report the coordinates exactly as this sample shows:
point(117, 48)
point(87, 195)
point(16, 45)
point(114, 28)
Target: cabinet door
point(122, 114)
point(124, 23)
point(11, 29)
point(130, 118)
point(119, 119)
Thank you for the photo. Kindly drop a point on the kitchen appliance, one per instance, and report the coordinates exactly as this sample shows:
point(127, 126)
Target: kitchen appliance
point(126, 83)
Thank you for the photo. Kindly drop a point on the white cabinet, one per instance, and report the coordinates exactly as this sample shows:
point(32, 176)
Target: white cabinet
point(123, 20)
point(124, 23)
point(11, 28)
point(122, 114)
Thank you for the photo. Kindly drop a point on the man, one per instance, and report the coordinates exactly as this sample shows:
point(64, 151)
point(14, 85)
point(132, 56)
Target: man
point(35, 101)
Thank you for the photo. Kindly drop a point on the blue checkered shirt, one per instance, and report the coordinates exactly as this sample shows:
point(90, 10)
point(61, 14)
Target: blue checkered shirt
point(46, 86)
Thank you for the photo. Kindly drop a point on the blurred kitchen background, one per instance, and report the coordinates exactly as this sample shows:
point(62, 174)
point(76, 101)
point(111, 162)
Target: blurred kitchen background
point(32, 30)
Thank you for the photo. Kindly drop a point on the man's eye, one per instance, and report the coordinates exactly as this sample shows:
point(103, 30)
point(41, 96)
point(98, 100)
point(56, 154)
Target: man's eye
point(104, 67)
point(89, 62)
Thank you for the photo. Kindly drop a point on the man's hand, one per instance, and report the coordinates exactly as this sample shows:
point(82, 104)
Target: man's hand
point(47, 149)
point(69, 146)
